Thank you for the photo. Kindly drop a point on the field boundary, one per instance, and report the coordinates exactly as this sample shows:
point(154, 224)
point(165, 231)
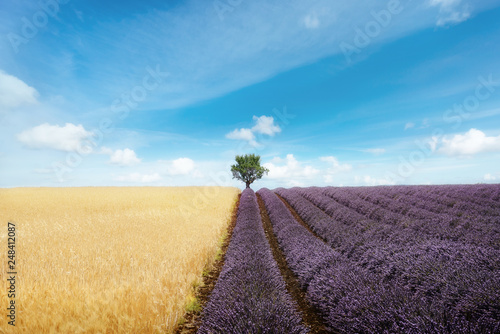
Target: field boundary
point(192, 319)
point(310, 315)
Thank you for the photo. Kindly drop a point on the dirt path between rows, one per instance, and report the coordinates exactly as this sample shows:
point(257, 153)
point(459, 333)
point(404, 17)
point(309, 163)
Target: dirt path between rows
point(192, 320)
point(310, 315)
point(299, 219)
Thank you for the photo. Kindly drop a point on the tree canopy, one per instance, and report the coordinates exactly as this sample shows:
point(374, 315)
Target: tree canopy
point(248, 169)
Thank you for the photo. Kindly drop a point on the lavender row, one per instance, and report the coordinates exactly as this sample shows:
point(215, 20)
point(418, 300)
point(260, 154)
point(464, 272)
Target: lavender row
point(335, 210)
point(457, 198)
point(306, 255)
point(351, 239)
point(468, 227)
point(469, 195)
point(369, 210)
point(416, 198)
point(347, 296)
point(429, 285)
point(477, 192)
point(250, 295)
point(353, 228)
point(424, 205)
point(345, 238)
point(317, 220)
point(460, 198)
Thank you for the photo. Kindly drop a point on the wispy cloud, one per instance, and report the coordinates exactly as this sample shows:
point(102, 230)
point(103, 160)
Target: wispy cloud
point(451, 11)
point(489, 177)
point(334, 168)
point(215, 61)
point(373, 181)
point(15, 92)
point(409, 125)
point(311, 21)
point(375, 151)
point(138, 178)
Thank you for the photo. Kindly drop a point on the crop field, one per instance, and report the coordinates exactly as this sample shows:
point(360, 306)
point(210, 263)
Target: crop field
point(110, 260)
point(400, 259)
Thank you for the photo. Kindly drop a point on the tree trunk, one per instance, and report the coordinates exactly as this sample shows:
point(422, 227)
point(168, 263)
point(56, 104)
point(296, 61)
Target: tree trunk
point(248, 184)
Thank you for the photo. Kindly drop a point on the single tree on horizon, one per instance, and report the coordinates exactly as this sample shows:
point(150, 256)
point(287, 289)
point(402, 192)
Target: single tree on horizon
point(248, 169)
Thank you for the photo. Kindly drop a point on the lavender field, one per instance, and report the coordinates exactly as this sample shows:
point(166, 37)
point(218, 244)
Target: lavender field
point(400, 259)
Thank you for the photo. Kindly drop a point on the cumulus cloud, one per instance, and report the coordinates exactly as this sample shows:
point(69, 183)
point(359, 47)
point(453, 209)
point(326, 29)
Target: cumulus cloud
point(243, 134)
point(472, 142)
point(372, 181)
point(450, 11)
point(126, 157)
point(290, 169)
point(15, 92)
point(138, 178)
point(263, 125)
point(181, 166)
point(67, 138)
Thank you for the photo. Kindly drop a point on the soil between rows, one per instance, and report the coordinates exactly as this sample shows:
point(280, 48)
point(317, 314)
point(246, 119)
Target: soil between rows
point(192, 320)
point(310, 314)
point(299, 219)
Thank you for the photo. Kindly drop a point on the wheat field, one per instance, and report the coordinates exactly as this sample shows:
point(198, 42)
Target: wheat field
point(109, 259)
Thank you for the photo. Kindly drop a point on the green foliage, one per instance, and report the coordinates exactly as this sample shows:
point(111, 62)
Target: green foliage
point(193, 305)
point(248, 169)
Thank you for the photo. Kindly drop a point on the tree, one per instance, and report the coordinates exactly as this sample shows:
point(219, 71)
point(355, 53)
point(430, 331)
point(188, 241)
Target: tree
point(248, 168)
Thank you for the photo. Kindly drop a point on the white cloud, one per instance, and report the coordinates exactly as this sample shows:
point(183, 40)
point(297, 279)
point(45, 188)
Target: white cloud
point(241, 134)
point(67, 138)
point(291, 169)
point(472, 142)
point(433, 142)
point(138, 178)
point(454, 17)
point(376, 151)
point(489, 177)
point(311, 21)
point(336, 166)
point(14, 92)
point(126, 157)
point(450, 11)
point(371, 181)
point(263, 125)
point(181, 166)
point(444, 3)
point(409, 125)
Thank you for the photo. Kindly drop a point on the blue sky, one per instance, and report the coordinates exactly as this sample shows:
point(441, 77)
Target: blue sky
point(97, 93)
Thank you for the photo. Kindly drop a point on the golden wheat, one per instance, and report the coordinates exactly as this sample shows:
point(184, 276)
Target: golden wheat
point(109, 260)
